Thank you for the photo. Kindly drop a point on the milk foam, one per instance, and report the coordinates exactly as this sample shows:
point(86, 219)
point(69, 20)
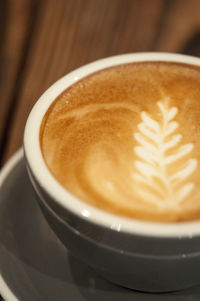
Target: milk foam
point(171, 190)
point(127, 140)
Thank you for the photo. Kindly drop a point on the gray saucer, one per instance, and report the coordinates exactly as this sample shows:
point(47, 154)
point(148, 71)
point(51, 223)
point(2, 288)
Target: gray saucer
point(35, 266)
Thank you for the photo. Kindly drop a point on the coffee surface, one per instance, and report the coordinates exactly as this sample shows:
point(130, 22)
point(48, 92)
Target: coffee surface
point(127, 140)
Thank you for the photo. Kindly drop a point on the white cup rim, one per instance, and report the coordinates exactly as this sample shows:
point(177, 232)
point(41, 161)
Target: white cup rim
point(62, 196)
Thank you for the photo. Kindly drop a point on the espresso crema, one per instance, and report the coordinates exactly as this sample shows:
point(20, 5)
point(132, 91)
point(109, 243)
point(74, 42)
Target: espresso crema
point(127, 140)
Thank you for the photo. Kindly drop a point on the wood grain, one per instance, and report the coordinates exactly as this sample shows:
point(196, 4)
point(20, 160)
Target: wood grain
point(69, 34)
point(14, 49)
point(180, 23)
point(40, 41)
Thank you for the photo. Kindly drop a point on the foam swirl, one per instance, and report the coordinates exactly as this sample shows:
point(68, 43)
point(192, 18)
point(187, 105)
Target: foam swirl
point(126, 140)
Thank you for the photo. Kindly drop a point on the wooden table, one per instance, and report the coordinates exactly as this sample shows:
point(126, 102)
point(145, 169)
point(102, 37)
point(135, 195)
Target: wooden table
point(41, 40)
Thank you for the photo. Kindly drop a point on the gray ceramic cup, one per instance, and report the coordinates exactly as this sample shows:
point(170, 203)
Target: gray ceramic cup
point(146, 256)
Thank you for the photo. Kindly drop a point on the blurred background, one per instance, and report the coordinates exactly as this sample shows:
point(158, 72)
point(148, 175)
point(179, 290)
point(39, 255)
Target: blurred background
point(41, 40)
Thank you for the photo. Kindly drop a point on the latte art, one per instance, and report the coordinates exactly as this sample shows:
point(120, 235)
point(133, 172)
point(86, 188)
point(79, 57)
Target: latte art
point(126, 140)
point(162, 189)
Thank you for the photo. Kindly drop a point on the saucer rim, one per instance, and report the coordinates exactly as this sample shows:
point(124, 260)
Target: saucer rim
point(6, 293)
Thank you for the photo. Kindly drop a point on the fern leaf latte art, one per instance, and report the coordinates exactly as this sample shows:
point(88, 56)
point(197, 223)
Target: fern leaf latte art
point(126, 140)
point(162, 188)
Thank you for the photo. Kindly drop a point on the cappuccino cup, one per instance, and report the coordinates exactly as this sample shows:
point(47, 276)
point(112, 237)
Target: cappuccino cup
point(112, 150)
